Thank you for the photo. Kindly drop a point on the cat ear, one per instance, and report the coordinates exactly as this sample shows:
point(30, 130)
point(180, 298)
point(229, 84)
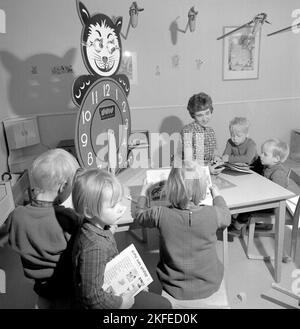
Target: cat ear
point(69, 55)
point(83, 13)
point(118, 24)
point(10, 61)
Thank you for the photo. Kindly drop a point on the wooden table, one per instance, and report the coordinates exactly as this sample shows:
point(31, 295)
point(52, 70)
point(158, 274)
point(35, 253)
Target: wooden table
point(251, 192)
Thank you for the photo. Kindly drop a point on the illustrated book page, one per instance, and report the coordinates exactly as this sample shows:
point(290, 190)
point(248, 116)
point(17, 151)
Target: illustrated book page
point(126, 273)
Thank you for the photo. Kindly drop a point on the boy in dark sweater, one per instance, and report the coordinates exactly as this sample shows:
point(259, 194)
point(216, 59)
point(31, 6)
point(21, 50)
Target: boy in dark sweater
point(40, 231)
point(274, 153)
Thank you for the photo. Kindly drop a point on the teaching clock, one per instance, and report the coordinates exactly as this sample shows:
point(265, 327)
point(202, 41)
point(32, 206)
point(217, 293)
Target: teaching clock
point(103, 121)
point(104, 113)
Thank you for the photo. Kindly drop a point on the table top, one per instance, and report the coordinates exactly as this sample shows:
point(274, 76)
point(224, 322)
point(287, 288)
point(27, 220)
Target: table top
point(247, 189)
point(252, 189)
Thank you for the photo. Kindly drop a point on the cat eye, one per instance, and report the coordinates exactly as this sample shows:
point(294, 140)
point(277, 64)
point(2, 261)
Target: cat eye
point(111, 48)
point(98, 44)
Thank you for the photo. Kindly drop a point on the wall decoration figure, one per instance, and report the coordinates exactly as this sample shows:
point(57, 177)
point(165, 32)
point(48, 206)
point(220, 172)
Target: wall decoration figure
point(102, 94)
point(199, 63)
point(175, 61)
point(133, 18)
point(34, 70)
point(191, 22)
point(157, 70)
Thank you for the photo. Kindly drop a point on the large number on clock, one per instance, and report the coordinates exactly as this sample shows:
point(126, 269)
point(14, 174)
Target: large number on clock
point(103, 118)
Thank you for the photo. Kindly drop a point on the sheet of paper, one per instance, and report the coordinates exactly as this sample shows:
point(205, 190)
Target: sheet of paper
point(157, 175)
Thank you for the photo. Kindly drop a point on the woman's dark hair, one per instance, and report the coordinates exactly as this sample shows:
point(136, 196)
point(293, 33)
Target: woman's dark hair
point(199, 102)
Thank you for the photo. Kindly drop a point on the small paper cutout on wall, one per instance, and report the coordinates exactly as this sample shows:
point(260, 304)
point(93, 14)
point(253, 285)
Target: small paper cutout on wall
point(175, 61)
point(34, 70)
point(157, 70)
point(62, 69)
point(199, 63)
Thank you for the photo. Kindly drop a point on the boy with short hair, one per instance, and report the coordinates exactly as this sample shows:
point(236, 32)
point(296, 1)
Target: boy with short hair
point(274, 153)
point(240, 148)
point(40, 231)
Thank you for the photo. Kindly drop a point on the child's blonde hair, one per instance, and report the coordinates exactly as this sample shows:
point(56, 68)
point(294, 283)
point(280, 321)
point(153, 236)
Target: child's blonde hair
point(90, 190)
point(186, 184)
point(52, 168)
point(278, 148)
point(240, 122)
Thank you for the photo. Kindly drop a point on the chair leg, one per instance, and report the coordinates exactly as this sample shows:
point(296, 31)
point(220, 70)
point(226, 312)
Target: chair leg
point(225, 253)
point(250, 237)
point(250, 244)
point(294, 238)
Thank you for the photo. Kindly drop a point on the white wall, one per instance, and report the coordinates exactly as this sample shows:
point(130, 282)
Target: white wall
point(42, 34)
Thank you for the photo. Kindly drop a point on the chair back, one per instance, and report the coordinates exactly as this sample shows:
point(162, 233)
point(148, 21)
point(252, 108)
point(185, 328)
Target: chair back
point(293, 206)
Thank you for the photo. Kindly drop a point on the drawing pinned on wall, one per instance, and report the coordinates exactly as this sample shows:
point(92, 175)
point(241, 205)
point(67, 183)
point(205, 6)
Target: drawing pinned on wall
point(175, 61)
point(62, 69)
point(2, 21)
point(157, 70)
point(199, 63)
point(128, 66)
point(241, 54)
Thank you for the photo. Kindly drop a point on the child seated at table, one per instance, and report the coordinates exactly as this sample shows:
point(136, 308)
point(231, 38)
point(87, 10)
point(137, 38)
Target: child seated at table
point(40, 231)
point(273, 153)
point(97, 195)
point(189, 269)
point(240, 148)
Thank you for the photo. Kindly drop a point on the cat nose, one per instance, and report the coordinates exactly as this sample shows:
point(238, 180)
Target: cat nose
point(104, 58)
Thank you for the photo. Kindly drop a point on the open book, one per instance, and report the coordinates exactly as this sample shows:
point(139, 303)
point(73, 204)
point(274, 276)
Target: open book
point(126, 273)
point(238, 166)
point(159, 176)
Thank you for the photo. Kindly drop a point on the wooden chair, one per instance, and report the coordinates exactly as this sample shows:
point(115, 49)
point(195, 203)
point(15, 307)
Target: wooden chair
point(293, 207)
point(286, 292)
point(6, 201)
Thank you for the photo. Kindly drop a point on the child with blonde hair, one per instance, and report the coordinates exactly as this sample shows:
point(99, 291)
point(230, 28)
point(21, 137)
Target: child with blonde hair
point(97, 195)
point(273, 153)
point(40, 231)
point(189, 269)
point(240, 148)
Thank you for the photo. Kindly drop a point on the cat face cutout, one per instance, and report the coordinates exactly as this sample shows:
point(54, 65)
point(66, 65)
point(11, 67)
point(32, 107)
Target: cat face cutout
point(101, 43)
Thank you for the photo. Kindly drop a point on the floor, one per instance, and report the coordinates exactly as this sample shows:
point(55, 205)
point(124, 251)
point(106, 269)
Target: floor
point(249, 281)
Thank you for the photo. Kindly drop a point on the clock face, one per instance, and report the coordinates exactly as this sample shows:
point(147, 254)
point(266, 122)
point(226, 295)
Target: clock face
point(103, 126)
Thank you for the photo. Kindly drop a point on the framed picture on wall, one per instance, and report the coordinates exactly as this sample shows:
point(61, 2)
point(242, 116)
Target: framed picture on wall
point(129, 66)
point(240, 54)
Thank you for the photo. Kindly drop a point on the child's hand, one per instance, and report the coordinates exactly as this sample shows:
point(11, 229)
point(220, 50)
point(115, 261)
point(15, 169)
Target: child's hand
point(128, 301)
point(216, 169)
point(225, 157)
point(214, 190)
point(113, 228)
point(217, 159)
